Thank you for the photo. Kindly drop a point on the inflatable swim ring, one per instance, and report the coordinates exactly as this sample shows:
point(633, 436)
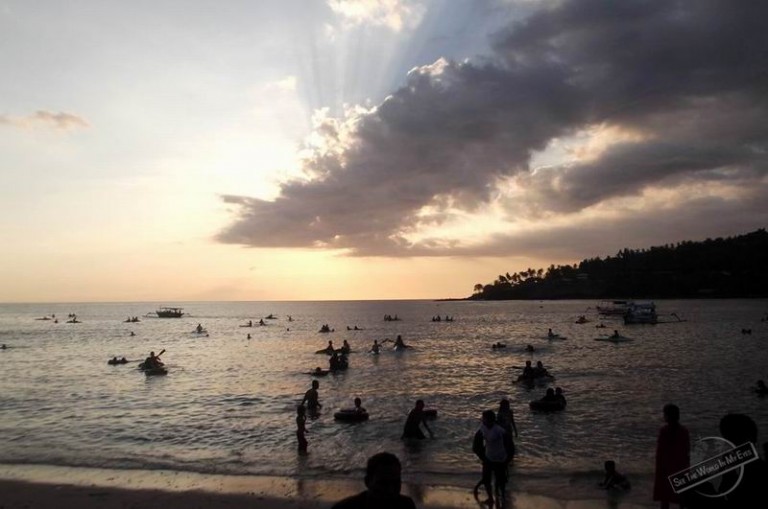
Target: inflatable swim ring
point(547, 406)
point(350, 415)
point(534, 380)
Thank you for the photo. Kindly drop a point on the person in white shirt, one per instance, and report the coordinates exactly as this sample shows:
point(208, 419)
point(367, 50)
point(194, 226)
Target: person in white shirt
point(493, 445)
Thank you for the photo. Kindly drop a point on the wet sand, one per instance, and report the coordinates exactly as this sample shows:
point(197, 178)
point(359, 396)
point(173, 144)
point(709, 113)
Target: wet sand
point(44, 487)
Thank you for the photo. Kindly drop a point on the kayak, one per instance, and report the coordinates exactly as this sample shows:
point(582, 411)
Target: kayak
point(350, 415)
point(325, 351)
point(556, 336)
point(321, 372)
point(547, 406)
point(155, 371)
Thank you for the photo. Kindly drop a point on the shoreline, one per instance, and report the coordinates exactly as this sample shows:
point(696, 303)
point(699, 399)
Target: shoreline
point(45, 486)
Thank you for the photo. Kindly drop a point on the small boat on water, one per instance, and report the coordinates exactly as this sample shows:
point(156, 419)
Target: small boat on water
point(641, 312)
point(613, 307)
point(168, 312)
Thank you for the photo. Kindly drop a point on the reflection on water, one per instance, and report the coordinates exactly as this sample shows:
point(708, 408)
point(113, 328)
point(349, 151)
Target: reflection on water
point(228, 403)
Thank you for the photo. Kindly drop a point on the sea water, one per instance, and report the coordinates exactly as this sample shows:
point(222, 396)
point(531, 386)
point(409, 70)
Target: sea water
point(228, 404)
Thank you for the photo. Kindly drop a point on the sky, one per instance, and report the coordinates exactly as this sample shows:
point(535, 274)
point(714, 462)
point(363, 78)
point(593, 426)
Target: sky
point(366, 149)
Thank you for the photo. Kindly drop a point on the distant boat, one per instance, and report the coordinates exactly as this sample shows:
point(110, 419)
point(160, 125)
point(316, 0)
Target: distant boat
point(166, 312)
point(613, 307)
point(641, 312)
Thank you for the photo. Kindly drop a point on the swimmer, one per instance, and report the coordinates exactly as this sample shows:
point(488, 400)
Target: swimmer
point(613, 479)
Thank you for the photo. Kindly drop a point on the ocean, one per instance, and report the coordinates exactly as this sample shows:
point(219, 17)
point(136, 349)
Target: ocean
point(228, 404)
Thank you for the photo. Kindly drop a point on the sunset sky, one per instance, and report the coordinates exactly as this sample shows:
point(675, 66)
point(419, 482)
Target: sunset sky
point(366, 149)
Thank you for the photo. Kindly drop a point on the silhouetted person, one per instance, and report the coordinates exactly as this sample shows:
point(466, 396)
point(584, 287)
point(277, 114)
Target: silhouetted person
point(506, 419)
point(152, 361)
point(493, 446)
point(527, 370)
point(672, 455)
point(383, 483)
point(301, 429)
point(549, 396)
point(312, 398)
point(559, 396)
point(539, 370)
point(613, 479)
point(761, 388)
point(415, 418)
point(752, 490)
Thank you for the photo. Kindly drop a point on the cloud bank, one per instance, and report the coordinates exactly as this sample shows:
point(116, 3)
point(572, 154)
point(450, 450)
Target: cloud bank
point(45, 119)
point(686, 79)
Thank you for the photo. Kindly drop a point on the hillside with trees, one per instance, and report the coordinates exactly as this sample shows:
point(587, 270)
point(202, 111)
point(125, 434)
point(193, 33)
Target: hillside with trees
point(714, 268)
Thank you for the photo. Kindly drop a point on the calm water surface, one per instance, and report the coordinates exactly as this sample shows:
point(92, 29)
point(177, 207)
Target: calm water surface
point(228, 404)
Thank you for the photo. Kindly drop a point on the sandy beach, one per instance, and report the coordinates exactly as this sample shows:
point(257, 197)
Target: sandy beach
point(47, 487)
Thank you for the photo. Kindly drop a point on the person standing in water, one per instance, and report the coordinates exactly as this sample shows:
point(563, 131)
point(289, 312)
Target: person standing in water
point(493, 445)
point(672, 455)
point(301, 428)
point(312, 399)
point(506, 419)
point(415, 418)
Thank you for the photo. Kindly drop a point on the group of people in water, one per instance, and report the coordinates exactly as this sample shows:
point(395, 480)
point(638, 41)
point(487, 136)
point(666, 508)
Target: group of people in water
point(437, 318)
point(530, 372)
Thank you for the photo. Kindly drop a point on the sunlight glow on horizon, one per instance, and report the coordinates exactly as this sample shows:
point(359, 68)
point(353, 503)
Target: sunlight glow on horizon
point(419, 146)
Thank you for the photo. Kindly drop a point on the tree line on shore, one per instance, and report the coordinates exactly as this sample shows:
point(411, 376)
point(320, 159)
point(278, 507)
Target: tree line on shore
point(714, 268)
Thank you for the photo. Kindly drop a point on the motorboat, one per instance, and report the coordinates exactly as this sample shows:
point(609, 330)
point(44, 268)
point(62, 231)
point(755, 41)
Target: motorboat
point(613, 307)
point(641, 312)
point(167, 312)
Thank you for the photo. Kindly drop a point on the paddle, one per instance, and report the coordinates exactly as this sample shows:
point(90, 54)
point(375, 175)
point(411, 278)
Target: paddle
point(158, 357)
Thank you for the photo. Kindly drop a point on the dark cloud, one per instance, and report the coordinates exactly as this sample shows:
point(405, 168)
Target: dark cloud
point(43, 118)
point(689, 77)
point(686, 219)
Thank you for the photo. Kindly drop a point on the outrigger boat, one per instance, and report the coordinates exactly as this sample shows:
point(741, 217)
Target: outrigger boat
point(166, 312)
point(638, 312)
point(614, 307)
